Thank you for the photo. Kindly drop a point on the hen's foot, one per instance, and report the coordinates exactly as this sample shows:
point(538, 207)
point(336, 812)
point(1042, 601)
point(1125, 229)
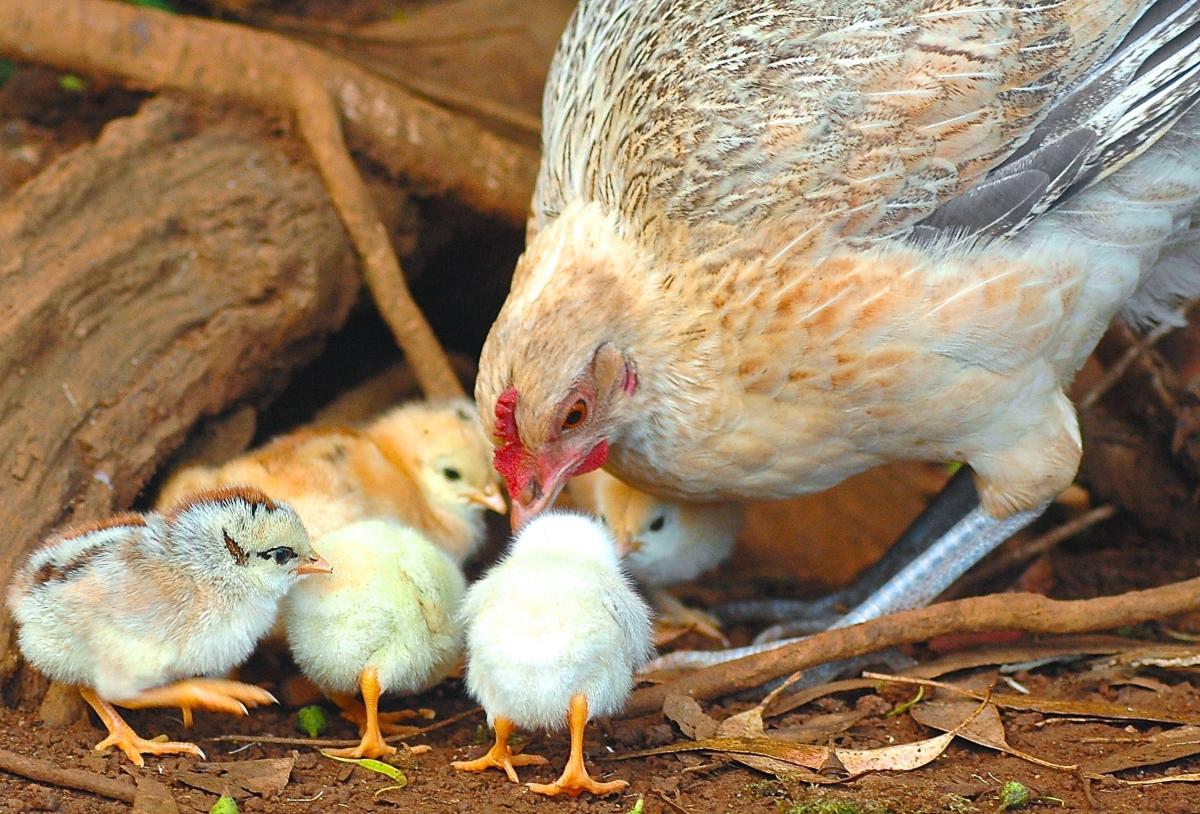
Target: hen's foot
point(122, 736)
point(675, 619)
point(500, 756)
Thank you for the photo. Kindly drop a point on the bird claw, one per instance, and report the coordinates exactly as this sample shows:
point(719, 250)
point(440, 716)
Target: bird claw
point(134, 746)
point(671, 625)
point(373, 747)
point(575, 785)
point(502, 759)
point(211, 694)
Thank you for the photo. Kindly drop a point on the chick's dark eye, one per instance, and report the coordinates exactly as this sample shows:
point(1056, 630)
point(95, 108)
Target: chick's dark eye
point(282, 555)
point(576, 415)
point(450, 473)
point(657, 523)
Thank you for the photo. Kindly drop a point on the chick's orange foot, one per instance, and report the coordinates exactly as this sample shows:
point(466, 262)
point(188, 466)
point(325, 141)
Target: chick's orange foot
point(122, 736)
point(389, 724)
point(211, 694)
point(500, 756)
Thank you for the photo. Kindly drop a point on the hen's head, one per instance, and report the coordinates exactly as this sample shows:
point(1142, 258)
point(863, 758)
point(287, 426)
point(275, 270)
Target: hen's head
point(557, 371)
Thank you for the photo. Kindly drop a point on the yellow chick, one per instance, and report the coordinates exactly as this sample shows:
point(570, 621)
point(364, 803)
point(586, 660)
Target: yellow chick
point(424, 464)
point(386, 620)
point(662, 542)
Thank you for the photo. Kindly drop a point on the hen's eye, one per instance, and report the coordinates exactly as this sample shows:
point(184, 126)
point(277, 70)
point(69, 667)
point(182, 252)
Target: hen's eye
point(576, 415)
point(450, 473)
point(282, 555)
point(657, 523)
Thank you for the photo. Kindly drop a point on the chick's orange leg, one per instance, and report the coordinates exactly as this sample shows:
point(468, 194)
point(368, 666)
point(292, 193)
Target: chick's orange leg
point(212, 694)
point(500, 756)
point(372, 743)
point(121, 735)
point(575, 779)
point(355, 711)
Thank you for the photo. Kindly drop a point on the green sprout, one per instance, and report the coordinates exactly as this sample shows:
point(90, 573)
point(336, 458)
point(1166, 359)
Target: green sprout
point(311, 720)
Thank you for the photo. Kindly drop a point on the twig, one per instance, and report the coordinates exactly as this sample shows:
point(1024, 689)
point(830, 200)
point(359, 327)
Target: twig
point(323, 742)
point(407, 135)
point(1114, 373)
point(990, 571)
point(43, 771)
point(1032, 613)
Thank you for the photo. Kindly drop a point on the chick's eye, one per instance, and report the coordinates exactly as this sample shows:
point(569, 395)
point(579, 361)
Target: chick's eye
point(450, 473)
point(282, 555)
point(657, 523)
point(576, 415)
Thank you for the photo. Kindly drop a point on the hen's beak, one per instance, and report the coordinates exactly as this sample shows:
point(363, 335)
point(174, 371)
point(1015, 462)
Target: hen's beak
point(533, 502)
point(316, 565)
point(489, 498)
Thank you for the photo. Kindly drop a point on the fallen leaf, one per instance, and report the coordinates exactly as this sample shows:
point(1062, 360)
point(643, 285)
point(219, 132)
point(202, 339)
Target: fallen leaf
point(748, 724)
point(1190, 777)
point(986, 729)
point(378, 766)
point(152, 797)
point(688, 715)
point(1054, 706)
point(242, 778)
point(1174, 744)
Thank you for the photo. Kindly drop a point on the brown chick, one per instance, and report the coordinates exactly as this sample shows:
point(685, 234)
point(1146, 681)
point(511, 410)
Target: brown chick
point(774, 246)
point(422, 464)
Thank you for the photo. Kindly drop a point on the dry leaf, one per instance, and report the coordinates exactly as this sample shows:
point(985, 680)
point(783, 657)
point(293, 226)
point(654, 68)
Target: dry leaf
point(986, 729)
point(1164, 747)
point(748, 724)
point(242, 778)
point(1054, 706)
point(1190, 777)
point(686, 712)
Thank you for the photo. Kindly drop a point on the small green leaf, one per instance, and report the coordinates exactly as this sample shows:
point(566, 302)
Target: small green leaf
point(1014, 795)
point(6, 70)
point(952, 466)
point(311, 720)
point(379, 766)
point(226, 805)
point(637, 807)
point(161, 5)
point(72, 83)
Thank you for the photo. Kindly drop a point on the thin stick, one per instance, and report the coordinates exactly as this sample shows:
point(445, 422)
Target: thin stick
point(1114, 373)
point(1032, 613)
point(43, 771)
point(318, 742)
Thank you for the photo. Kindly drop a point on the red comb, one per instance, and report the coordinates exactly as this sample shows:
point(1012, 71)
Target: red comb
point(506, 416)
point(509, 455)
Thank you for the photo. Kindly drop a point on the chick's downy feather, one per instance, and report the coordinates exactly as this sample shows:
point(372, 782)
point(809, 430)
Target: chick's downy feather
point(391, 603)
point(556, 617)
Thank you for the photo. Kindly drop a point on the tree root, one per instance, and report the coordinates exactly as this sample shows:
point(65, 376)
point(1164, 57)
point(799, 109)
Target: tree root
point(411, 137)
point(43, 771)
point(1031, 613)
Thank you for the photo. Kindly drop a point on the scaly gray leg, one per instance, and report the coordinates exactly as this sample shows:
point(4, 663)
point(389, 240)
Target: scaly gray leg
point(800, 617)
point(917, 584)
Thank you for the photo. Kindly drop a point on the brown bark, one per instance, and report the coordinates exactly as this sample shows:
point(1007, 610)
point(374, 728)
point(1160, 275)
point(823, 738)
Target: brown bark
point(148, 280)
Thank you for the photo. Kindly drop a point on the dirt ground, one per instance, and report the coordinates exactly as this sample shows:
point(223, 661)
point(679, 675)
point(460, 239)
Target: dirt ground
point(800, 549)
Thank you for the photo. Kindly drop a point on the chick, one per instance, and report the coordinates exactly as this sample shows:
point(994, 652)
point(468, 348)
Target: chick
point(132, 608)
point(556, 627)
point(385, 621)
point(662, 542)
point(424, 464)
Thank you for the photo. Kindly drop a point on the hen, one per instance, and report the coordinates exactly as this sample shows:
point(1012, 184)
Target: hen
point(775, 243)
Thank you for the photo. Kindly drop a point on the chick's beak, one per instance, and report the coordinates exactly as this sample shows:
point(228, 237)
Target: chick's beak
point(489, 498)
point(627, 545)
point(316, 564)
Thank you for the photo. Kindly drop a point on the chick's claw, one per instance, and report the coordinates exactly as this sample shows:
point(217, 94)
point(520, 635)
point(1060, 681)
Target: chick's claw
point(575, 785)
point(122, 736)
point(213, 695)
point(500, 756)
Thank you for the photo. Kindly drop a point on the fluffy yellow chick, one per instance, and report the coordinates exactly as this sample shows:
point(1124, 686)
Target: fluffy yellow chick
point(424, 464)
point(384, 621)
point(663, 542)
point(555, 632)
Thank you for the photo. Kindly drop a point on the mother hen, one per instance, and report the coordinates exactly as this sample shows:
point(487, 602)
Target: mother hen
point(777, 242)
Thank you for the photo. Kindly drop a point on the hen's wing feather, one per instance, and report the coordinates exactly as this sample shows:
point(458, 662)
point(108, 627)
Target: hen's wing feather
point(770, 125)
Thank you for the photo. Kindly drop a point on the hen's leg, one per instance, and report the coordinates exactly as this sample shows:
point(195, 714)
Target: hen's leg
point(575, 779)
point(955, 501)
point(121, 735)
point(372, 743)
point(917, 584)
point(500, 756)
